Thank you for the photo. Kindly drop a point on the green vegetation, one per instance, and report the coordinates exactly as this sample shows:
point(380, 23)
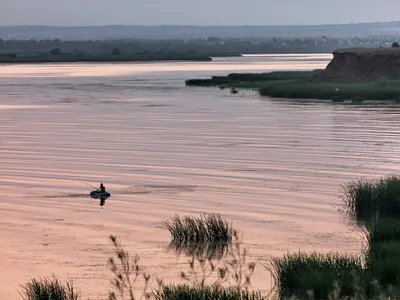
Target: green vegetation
point(383, 254)
point(298, 274)
point(368, 200)
point(204, 229)
point(49, 289)
point(305, 85)
point(175, 292)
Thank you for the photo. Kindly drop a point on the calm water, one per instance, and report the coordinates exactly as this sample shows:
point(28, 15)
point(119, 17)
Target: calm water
point(273, 167)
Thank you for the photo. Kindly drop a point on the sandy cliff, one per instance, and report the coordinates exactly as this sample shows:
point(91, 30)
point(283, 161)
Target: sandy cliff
point(363, 64)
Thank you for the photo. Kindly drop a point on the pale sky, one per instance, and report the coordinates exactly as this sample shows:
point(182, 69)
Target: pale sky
point(198, 12)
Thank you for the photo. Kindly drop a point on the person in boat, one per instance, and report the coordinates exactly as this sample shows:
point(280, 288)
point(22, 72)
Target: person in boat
point(102, 188)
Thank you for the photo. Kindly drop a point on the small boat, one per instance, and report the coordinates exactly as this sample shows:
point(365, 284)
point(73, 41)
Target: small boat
point(98, 194)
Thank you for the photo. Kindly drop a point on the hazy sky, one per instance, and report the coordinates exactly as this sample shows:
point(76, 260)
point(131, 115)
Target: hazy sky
point(195, 12)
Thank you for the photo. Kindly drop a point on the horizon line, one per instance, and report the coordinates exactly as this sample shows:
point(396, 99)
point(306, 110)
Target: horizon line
point(181, 25)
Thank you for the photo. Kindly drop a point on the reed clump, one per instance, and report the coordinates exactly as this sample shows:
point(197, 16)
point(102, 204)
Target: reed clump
point(369, 200)
point(49, 289)
point(203, 229)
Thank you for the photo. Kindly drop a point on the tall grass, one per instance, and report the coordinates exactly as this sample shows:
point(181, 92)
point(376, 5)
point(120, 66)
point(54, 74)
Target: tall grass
point(298, 274)
point(203, 229)
point(384, 230)
point(49, 289)
point(383, 254)
point(368, 200)
point(251, 79)
point(180, 292)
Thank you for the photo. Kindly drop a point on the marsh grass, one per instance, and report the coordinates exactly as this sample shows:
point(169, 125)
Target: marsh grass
point(383, 254)
point(178, 292)
point(383, 263)
point(298, 274)
point(369, 200)
point(305, 85)
point(49, 289)
point(202, 230)
point(384, 230)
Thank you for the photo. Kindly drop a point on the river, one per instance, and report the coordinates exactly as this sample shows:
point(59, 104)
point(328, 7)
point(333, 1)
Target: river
point(273, 167)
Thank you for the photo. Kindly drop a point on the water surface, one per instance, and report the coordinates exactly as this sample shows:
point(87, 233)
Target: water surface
point(272, 166)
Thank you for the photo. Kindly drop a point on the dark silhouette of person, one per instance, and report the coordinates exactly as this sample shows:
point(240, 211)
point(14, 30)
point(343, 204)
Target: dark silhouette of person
point(102, 188)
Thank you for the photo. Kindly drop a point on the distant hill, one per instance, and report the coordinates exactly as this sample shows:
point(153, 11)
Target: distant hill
point(186, 32)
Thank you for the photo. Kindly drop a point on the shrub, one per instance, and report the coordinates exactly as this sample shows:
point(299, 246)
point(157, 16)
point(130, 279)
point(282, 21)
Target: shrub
point(55, 51)
point(49, 289)
point(115, 51)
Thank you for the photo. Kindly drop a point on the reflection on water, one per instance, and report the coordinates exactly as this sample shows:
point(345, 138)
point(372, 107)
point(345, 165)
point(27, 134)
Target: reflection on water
point(101, 197)
point(207, 250)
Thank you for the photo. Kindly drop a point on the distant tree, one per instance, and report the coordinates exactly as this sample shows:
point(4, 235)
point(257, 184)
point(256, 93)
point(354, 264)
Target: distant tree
point(55, 51)
point(395, 45)
point(116, 51)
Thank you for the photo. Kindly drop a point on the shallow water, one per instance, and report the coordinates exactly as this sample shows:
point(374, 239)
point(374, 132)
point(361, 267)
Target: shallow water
point(273, 167)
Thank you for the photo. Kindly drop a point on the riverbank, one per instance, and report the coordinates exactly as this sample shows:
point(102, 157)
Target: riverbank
point(305, 85)
point(74, 58)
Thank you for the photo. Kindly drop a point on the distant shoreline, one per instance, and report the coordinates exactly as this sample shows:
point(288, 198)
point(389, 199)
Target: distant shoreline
point(68, 58)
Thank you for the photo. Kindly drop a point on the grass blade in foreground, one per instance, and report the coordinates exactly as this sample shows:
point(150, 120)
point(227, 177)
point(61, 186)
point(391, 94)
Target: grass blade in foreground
point(174, 292)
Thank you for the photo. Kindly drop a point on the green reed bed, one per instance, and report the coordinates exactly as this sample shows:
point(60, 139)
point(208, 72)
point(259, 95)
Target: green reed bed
point(368, 200)
point(336, 91)
point(298, 274)
point(305, 85)
point(203, 229)
point(49, 289)
point(180, 292)
point(251, 80)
